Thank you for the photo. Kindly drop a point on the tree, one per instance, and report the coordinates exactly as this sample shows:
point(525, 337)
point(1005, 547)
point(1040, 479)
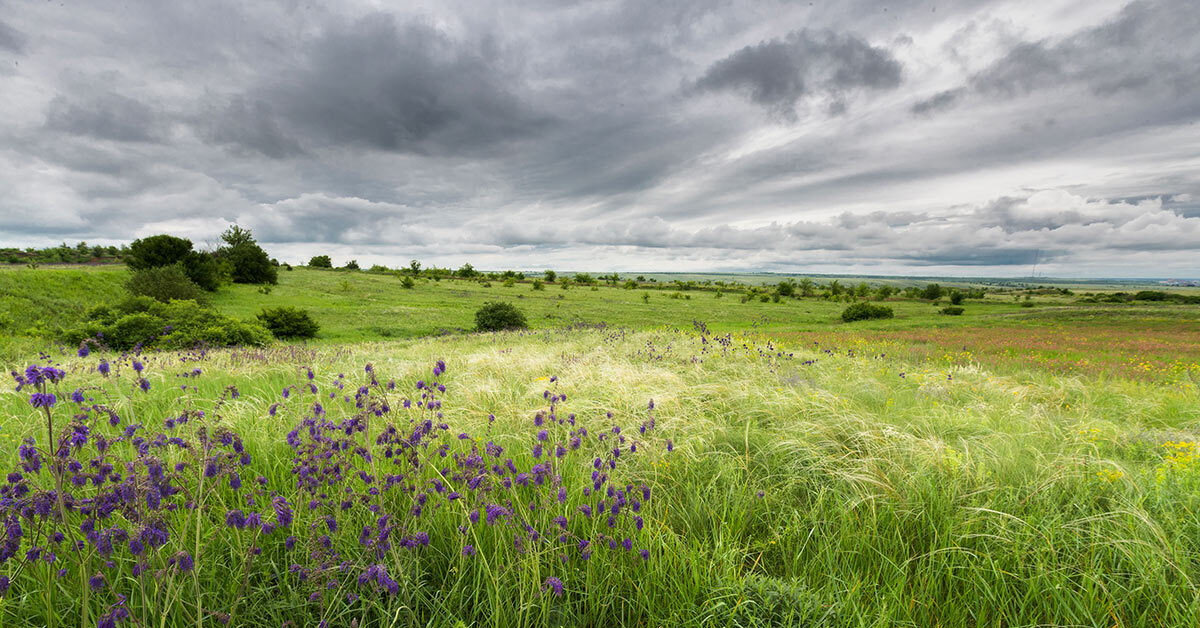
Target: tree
point(786, 288)
point(550, 276)
point(414, 267)
point(249, 264)
point(807, 287)
point(203, 270)
point(235, 236)
point(466, 271)
point(320, 261)
point(352, 265)
point(956, 297)
point(156, 251)
point(932, 292)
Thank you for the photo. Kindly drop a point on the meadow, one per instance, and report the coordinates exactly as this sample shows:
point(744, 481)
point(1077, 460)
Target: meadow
point(672, 461)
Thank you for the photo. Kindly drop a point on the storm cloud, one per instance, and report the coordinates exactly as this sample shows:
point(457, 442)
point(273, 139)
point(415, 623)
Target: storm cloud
point(977, 138)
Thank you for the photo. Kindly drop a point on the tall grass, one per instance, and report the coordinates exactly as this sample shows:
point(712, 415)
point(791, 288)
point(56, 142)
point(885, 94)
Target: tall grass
point(804, 488)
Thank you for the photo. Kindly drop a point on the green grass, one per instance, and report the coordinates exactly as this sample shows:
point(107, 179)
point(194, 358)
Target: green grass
point(358, 306)
point(945, 497)
point(898, 489)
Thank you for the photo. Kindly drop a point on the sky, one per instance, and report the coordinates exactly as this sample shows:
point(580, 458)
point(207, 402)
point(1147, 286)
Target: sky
point(970, 138)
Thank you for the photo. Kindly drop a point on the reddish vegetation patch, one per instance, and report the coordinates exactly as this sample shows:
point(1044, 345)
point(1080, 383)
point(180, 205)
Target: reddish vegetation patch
point(1152, 354)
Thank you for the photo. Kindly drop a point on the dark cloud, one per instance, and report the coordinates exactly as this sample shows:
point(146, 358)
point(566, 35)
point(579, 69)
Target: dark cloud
point(780, 73)
point(108, 116)
point(385, 84)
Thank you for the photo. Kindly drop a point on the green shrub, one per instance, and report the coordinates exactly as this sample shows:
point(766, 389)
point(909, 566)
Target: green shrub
point(202, 269)
point(865, 311)
point(320, 261)
point(956, 298)
point(155, 251)
point(952, 310)
point(407, 282)
point(498, 316)
point(352, 265)
point(932, 292)
point(538, 285)
point(132, 329)
point(156, 325)
point(249, 263)
point(289, 322)
point(164, 283)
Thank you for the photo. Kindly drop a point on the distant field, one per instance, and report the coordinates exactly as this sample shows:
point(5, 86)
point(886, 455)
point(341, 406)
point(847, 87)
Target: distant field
point(356, 306)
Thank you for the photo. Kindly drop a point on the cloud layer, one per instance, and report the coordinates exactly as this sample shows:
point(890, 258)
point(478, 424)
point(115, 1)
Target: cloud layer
point(980, 138)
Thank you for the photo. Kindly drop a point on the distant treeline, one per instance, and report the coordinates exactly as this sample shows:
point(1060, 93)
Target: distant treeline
point(81, 253)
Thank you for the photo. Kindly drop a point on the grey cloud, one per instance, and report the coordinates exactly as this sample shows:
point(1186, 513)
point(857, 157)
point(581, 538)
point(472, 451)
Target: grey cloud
point(385, 84)
point(937, 102)
point(11, 39)
point(779, 73)
point(106, 115)
point(1149, 44)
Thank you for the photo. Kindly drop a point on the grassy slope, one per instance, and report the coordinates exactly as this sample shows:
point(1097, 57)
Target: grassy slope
point(950, 497)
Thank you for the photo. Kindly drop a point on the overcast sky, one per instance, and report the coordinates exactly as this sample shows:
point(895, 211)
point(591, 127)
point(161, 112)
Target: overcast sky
point(912, 137)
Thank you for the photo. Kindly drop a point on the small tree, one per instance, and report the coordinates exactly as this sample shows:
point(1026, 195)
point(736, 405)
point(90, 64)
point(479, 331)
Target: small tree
point(407, 283)
point(414, 267)
point(932, 292)
point(550, 276)
point(156, 251)
point(467, 271)
point(249, 264)
point(352, 265)
point(237, 236)
point(320, 261)
point(202, 269)
point(956, 297)
point(499, 316)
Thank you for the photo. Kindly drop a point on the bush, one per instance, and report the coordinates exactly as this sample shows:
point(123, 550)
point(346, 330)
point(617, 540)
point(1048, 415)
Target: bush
point(174, 325)
point(932, 292)
point(352, 265)
point(498, 316)
point(289, 322)
point(956, 298)
point(407, 282)
point(320, 261)
point(156, 251)
point(202, 269)
point(865, 311)
point(164, 283)
point(249, 264)
point(538, 285)
point(952, 310)
point(550, 276)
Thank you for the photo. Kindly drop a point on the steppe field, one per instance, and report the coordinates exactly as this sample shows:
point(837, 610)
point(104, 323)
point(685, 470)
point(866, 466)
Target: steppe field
point(639, 456)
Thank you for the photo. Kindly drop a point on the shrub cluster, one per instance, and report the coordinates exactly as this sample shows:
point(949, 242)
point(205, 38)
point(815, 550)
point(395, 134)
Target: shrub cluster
point(952, 310)
point(865, 311)
point(179, 324)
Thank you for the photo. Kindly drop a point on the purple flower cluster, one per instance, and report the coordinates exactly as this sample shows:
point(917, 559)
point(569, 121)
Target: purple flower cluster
point(104, 497)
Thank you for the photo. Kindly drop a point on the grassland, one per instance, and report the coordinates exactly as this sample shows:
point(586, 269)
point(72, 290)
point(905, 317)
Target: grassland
point(920, 471)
